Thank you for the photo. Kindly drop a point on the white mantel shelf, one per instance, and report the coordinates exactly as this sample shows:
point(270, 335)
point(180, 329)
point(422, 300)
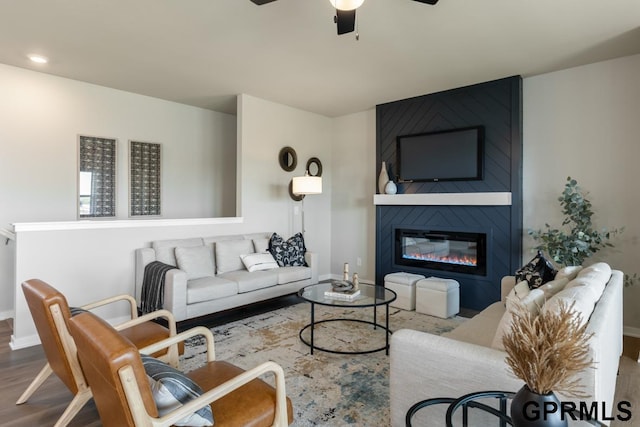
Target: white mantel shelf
point(444, 199)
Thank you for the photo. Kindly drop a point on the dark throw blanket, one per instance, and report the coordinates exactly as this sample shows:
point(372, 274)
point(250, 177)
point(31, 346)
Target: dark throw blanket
point(152, 297)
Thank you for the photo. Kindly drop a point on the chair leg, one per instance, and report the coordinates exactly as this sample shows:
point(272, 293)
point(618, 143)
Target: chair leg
point(78, 402)
point(35, 384)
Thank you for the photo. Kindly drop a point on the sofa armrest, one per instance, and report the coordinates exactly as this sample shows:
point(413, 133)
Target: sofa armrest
point(143, 257)
point(507, 283)
point(426, 366)
point(312, 261)
point(175, 293)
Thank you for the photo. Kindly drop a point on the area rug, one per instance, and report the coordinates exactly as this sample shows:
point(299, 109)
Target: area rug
point(325, 389)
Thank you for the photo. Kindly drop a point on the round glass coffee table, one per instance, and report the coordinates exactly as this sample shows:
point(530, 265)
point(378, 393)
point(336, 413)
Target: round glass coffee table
point(370, 296)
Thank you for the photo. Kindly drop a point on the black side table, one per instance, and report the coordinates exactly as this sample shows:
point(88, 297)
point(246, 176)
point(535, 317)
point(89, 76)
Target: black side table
point(469, 401)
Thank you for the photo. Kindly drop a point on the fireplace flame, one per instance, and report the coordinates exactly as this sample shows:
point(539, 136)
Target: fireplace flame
point(467, 260)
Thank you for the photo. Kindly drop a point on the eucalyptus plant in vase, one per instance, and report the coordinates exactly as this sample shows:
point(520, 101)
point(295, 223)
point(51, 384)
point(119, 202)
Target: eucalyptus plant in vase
point(577, 239)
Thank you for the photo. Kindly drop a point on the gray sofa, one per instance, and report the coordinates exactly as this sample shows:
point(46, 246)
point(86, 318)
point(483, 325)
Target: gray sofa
point(212, 276)
point(467, 359)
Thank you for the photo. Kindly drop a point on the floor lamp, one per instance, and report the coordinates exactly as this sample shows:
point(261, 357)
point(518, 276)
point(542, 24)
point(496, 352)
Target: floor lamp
point(304, 185)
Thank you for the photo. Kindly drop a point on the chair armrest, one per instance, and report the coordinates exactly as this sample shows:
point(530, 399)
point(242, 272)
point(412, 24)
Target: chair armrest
point(198, 330)
point(166, 314)
point(231, 385)
point(172, 355)
point(132, 303)
point(311, 259)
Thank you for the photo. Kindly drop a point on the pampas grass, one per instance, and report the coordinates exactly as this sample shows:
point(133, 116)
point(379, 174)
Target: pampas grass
point(545, 351)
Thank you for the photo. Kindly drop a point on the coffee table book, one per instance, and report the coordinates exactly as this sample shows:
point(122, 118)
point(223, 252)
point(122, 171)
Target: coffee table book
point(347, 295)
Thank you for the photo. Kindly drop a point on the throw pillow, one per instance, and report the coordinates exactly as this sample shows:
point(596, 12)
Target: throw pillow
point(536, 272)
point(257, 262)
point(260, 245)
point(196, 261)
point(570, 272)
point(228, 254)
point(533, 301)
point(172, 389)
point(289, 253)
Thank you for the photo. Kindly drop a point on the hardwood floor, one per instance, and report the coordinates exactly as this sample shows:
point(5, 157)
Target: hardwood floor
point(18, 368)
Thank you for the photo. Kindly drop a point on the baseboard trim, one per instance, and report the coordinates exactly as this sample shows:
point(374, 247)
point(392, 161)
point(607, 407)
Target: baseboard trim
point(9, 314)
point(631, 331)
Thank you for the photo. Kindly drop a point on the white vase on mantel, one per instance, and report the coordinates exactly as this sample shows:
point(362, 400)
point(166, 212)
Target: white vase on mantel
point(391, 188)
point(383, 178)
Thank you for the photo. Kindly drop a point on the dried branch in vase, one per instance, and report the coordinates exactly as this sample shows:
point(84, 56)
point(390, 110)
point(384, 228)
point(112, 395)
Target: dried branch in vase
point(546, 350)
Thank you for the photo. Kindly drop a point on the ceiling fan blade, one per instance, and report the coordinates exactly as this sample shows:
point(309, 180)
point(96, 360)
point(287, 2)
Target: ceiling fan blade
point(346, 21)
point(432, 2)
point(261, 2)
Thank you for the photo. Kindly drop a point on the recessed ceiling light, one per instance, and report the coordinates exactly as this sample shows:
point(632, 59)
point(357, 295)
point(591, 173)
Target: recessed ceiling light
point(39, 59)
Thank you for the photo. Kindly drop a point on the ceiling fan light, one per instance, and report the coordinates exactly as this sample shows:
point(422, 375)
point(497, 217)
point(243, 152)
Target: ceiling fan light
point(346, 4)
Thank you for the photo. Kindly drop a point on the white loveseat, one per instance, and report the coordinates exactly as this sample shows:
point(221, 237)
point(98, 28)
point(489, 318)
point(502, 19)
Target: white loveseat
point(463, 361)
point(205, 286)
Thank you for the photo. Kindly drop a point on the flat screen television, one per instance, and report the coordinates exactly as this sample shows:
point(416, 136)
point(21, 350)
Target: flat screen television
point(451, 155)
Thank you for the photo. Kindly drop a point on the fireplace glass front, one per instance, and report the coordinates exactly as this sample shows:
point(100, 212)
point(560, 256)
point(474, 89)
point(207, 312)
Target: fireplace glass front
point(460, 252)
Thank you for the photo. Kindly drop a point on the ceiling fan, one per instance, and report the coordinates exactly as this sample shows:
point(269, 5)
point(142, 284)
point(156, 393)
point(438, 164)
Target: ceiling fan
point(345, 17)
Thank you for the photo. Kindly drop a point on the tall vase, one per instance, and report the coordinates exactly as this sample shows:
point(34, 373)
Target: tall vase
point(529, 409)
point(383, 178)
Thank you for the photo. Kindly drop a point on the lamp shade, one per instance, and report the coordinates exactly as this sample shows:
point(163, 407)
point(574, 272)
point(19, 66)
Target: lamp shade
point(307, 185)
point(346, 4)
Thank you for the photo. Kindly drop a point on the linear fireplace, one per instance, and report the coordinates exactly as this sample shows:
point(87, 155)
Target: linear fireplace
point(459, 252)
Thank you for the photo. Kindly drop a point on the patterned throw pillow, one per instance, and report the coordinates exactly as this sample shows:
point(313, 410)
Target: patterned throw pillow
point(536, 272)
point(289, 253)
point(172, 389)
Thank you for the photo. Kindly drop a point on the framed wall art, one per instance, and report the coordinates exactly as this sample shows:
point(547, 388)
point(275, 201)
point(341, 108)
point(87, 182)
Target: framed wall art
point(145, 192)
point(96, 177)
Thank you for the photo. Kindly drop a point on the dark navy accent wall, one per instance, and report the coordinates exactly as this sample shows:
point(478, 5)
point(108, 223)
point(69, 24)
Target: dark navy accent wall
point(497, 106)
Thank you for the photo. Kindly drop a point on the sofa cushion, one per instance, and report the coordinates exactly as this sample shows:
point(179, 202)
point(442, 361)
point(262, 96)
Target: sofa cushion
point(261, 245)
point(164, 249)
point(288, 253)
point(533, 302)
point(293, 274)
point(537, 272)
point(582, 297)
point(196, 261)
point(595, 277)
point(553, 287)
point(259, 261)
point(228, 254)
point(569, 272)
point(248, 282)
point(474, 331)
point(210, 288)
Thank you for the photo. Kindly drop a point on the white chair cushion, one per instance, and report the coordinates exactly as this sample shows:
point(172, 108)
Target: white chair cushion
point(570, 272)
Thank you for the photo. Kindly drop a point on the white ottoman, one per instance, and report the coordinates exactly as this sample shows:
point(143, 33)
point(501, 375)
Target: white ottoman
point(404, 285)
point(438, 297)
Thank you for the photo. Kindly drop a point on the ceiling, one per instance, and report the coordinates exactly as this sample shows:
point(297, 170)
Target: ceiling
point(204, 52)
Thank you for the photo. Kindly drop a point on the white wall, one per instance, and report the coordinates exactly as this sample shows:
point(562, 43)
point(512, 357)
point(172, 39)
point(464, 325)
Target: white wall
point(264, 128)
point(90, 264)
point(352, 212)
point(585, 122)
point(41, 117)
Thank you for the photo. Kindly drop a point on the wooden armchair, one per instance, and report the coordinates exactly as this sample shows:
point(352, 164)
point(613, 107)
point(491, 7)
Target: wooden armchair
point(124, 397)
point(51, 315)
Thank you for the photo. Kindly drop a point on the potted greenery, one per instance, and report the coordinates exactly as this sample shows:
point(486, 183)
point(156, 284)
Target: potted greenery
point(577, 239)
